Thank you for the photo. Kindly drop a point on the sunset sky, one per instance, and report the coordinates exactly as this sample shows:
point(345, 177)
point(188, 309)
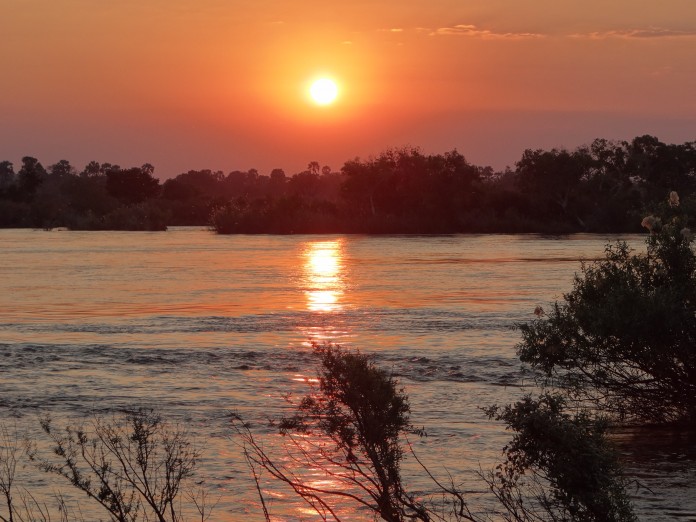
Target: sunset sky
point(223, 84)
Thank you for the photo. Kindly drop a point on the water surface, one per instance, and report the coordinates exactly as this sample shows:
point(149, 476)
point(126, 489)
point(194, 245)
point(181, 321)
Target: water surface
point(195, 325)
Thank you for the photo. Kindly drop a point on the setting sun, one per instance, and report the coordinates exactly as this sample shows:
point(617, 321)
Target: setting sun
point(323, 91)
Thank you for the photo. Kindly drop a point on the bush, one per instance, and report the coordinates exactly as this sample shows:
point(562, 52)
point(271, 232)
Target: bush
point(135, 466)
point(624, 339)
point(357, 418)
point(352, 429)
point(558, 466)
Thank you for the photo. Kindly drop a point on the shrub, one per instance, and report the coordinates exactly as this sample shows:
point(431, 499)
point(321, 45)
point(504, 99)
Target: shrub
point(558, 466)
point(356, 419)
point(624, 338)
point(135, 466)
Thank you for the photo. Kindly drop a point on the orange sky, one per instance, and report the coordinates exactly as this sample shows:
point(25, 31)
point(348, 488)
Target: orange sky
point(222, 84)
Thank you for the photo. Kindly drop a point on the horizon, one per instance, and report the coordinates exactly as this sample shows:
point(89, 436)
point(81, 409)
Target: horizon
point(210, 85)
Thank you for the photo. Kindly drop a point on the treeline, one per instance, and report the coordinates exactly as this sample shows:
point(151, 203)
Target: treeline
point(607, 186)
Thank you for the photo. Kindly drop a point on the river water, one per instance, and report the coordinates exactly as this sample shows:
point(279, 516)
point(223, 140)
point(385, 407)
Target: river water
point(197, 325)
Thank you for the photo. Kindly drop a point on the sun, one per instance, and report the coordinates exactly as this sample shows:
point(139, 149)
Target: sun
point(323, 91)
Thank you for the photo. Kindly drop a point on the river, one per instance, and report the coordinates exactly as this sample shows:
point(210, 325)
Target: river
point(197, 325)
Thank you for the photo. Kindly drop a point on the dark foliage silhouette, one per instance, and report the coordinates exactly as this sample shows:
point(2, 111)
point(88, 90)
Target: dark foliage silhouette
point(623, 339)
point(605, 186)
point(353, 428)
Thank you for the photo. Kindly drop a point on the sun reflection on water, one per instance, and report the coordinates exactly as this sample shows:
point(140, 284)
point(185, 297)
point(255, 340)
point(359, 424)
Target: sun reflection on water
point(324, 275)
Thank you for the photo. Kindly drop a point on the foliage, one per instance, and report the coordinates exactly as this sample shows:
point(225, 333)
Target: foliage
point(286, 215)
point(601, 187)
point(30, 176)
point(558, 466)
point(623, 338)
point(132, 185)
point(351, 429)
point(404, 183)
point(135, 467)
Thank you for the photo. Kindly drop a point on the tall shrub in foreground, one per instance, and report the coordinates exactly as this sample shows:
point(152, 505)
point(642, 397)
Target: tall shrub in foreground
point(350, 430)
point(624, 339)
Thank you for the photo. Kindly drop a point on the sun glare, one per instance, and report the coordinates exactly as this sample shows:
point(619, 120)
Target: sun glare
point(323, 91)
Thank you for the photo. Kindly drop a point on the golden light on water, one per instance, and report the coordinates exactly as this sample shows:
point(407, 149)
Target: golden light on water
point(323, 275)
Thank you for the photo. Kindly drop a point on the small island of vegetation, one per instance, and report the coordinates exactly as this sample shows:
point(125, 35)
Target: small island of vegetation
point(603, 187)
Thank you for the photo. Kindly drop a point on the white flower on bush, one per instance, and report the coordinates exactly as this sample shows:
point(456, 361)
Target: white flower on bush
point(673, 199)
point(651, 223)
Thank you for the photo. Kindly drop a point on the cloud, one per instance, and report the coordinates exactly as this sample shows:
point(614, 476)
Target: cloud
point(472, 31)
point(648, 33)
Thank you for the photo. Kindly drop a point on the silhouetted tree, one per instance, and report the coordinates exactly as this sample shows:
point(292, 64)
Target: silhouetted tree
point(132, 185)
point(61, 170)
point(277, 183)
point(92, 169)
point(661, 167)
point(7, 176)
point(30, 176)
point(304, 184)
point(553, 179)
point(314, 168)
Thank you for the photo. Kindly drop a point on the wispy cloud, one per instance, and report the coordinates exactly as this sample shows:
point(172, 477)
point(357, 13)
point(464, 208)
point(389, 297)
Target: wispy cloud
point(472, 31)
point(647, 33)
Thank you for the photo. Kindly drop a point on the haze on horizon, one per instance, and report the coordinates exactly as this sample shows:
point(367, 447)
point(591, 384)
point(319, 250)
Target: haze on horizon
point(186, 84)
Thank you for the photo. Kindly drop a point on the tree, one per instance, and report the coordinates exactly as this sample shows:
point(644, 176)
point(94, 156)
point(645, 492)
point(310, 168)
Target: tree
point(30, 176)
point(370, 186)
point(553, 179)
point(624, 337)
point(91, 170)
point(61, 170)
point(7, 175)
point(277, 183)
point(662, 167)
point(304, 184)
point(132, 185)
